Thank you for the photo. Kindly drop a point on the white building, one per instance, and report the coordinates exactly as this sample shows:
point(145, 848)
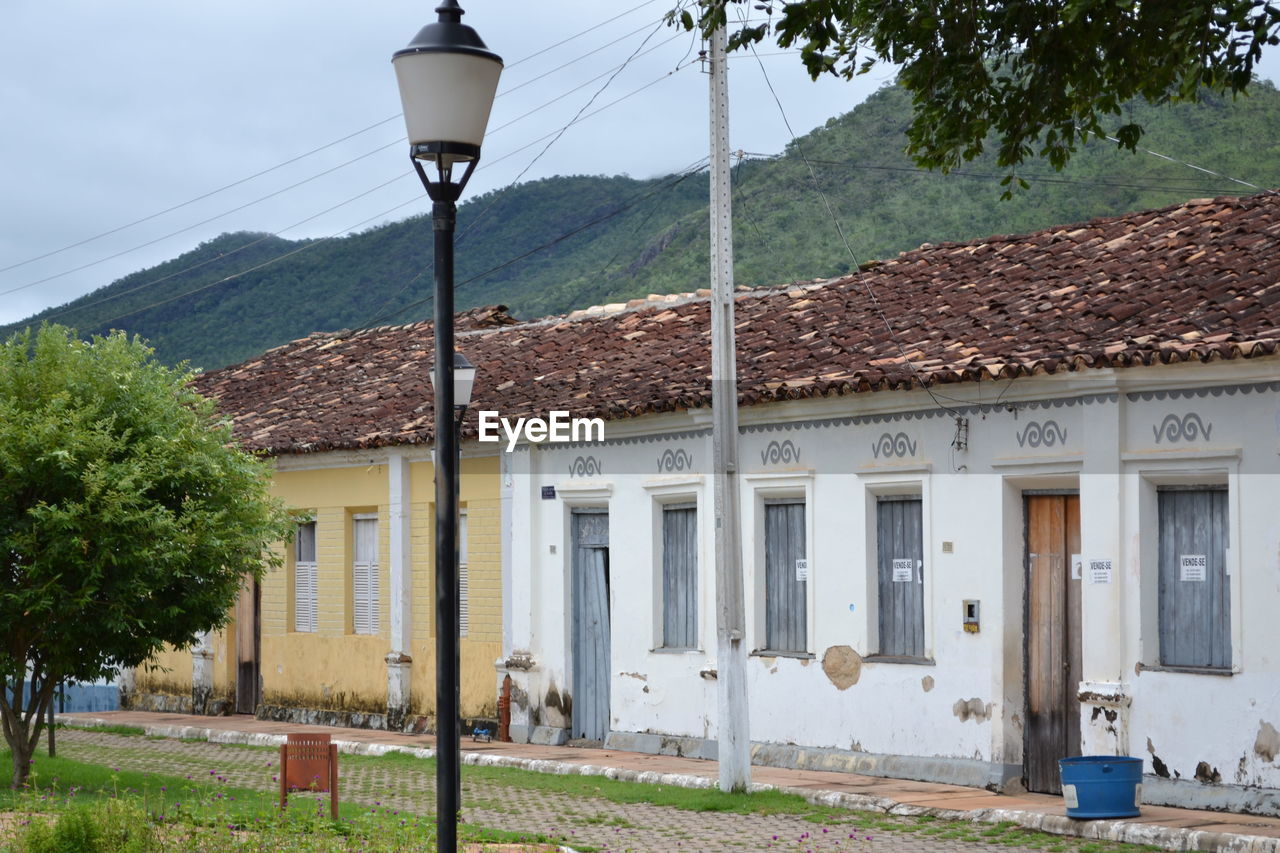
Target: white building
point(1033, 520)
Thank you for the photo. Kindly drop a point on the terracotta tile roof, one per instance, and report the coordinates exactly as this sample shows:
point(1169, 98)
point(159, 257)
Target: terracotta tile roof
point(1195, 281)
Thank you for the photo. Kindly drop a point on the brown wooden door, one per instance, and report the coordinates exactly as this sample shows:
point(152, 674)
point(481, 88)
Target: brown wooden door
point(248, 633)
point(1052, 638)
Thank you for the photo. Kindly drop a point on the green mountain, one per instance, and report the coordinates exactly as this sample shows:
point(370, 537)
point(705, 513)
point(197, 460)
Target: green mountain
point(561, 243)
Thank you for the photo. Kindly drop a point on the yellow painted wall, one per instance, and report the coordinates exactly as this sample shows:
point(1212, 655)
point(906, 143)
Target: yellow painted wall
point(479, 490)
point(336, 669)
point(169, 674)
point(333, 668)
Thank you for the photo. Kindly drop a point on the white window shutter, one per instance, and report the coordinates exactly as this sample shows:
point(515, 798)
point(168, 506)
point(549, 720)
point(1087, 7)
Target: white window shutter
point(464, 581)
point(364, 577)
point(304, 578)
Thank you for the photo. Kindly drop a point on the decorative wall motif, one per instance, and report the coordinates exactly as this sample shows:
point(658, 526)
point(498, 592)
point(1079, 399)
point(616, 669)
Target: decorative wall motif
point(780, 452)
point(891, 444)
point(1211, 391)
point(652, 438)
point(675, 460)
point(1189, 427)
point(585, 466)
point(928, 414)
point(1042, 434)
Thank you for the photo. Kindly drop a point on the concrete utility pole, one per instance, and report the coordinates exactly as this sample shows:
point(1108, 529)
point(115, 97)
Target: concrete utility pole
point(734, 732)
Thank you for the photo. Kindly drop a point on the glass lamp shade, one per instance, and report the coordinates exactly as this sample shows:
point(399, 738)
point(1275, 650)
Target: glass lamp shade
point(464, 379)
point(448, 80)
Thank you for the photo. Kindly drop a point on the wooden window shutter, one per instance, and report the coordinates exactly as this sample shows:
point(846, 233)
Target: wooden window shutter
point(680, 576)
point(1194, 588)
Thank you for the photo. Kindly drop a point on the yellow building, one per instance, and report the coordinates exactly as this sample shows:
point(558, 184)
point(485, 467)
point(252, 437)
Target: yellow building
point(343, 633)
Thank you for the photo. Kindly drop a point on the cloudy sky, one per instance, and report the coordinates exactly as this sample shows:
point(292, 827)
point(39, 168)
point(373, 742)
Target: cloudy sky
point(283, 116)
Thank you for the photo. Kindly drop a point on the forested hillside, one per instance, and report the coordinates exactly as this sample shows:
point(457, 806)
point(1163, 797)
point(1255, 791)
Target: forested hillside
point(552, 245)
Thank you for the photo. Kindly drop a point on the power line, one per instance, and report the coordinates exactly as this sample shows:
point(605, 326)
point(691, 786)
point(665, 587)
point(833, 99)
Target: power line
point(578, 119)
point(554, 138)
point(1197, 168)
point(214, 218)
point(257, 267)
point(306, 154)
point(1116, 183)
point(200, 197)
point(580, 34)
point(635, 200)
point(862, 279)
point(615, 71)
point(576, 60)
point(576, 116)
point(236, 251)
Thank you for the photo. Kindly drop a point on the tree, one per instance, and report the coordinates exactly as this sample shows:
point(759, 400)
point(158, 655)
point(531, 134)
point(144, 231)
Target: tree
point(128, 519)
point(1040, 75)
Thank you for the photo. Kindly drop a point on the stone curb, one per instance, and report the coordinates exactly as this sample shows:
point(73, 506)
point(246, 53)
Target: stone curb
point(1169, 838)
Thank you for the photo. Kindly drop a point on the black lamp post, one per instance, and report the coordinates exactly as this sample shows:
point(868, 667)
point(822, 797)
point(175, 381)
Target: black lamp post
point(448, 80)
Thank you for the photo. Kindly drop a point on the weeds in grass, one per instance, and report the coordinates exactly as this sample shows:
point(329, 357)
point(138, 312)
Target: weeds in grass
point(74, 807)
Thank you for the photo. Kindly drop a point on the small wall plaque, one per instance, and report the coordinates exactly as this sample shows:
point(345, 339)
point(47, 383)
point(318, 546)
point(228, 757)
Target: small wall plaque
point(548, 493)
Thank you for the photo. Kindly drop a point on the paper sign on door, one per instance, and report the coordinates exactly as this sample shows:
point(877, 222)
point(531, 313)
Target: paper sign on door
point(802, 570)
point(902, 571)
point(1191, 567)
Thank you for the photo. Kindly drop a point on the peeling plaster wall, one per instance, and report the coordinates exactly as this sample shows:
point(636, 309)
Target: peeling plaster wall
point(966, 703)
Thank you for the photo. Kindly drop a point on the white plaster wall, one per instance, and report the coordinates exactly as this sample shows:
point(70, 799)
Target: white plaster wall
point(1105, 446)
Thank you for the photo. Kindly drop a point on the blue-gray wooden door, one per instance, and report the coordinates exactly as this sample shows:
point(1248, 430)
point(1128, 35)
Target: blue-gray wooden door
point(900, 547)
point(786, 597)
point(589, 717)
point(1195, 591)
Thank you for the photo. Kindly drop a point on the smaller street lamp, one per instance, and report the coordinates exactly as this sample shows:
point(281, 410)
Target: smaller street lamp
point(464, 379)
point(448, 80)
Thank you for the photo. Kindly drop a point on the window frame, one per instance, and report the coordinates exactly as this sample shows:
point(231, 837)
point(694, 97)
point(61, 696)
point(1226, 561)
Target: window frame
point(916, 480)
point(372, 586)
point(664, 492)
point(464, 576)
point(298, 589)
point(1190, 469)
point(692, 574)
point(918, 573)
point(766, 487)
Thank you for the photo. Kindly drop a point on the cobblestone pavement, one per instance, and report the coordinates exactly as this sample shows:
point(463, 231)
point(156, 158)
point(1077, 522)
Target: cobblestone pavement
point(588, 821)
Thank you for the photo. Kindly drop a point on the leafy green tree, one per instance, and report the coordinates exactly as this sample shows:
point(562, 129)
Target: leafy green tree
point(1039, 75)
point(128, 519)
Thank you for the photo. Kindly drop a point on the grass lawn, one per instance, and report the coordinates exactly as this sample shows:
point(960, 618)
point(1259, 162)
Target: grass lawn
point(76, 807)
point(239, 817)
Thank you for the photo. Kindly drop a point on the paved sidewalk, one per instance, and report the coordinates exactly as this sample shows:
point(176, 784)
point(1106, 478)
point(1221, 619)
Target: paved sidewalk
point(1169, 828)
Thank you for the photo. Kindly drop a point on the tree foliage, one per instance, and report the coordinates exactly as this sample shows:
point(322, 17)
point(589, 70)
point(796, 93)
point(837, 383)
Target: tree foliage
point(1039, 76)
point(128, 520)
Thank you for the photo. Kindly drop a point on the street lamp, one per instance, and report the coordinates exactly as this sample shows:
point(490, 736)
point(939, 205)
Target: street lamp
point(464, 379)
point(447, 79)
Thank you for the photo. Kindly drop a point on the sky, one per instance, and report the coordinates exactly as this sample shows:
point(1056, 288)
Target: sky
point(283, 117)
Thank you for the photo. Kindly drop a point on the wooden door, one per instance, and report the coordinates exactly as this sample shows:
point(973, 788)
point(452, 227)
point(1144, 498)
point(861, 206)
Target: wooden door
point(1053, 665)
point(590, 608)
point(248, 639)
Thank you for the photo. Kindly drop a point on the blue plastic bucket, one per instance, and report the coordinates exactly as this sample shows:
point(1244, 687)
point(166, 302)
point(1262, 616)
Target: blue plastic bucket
point(1095, 786)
